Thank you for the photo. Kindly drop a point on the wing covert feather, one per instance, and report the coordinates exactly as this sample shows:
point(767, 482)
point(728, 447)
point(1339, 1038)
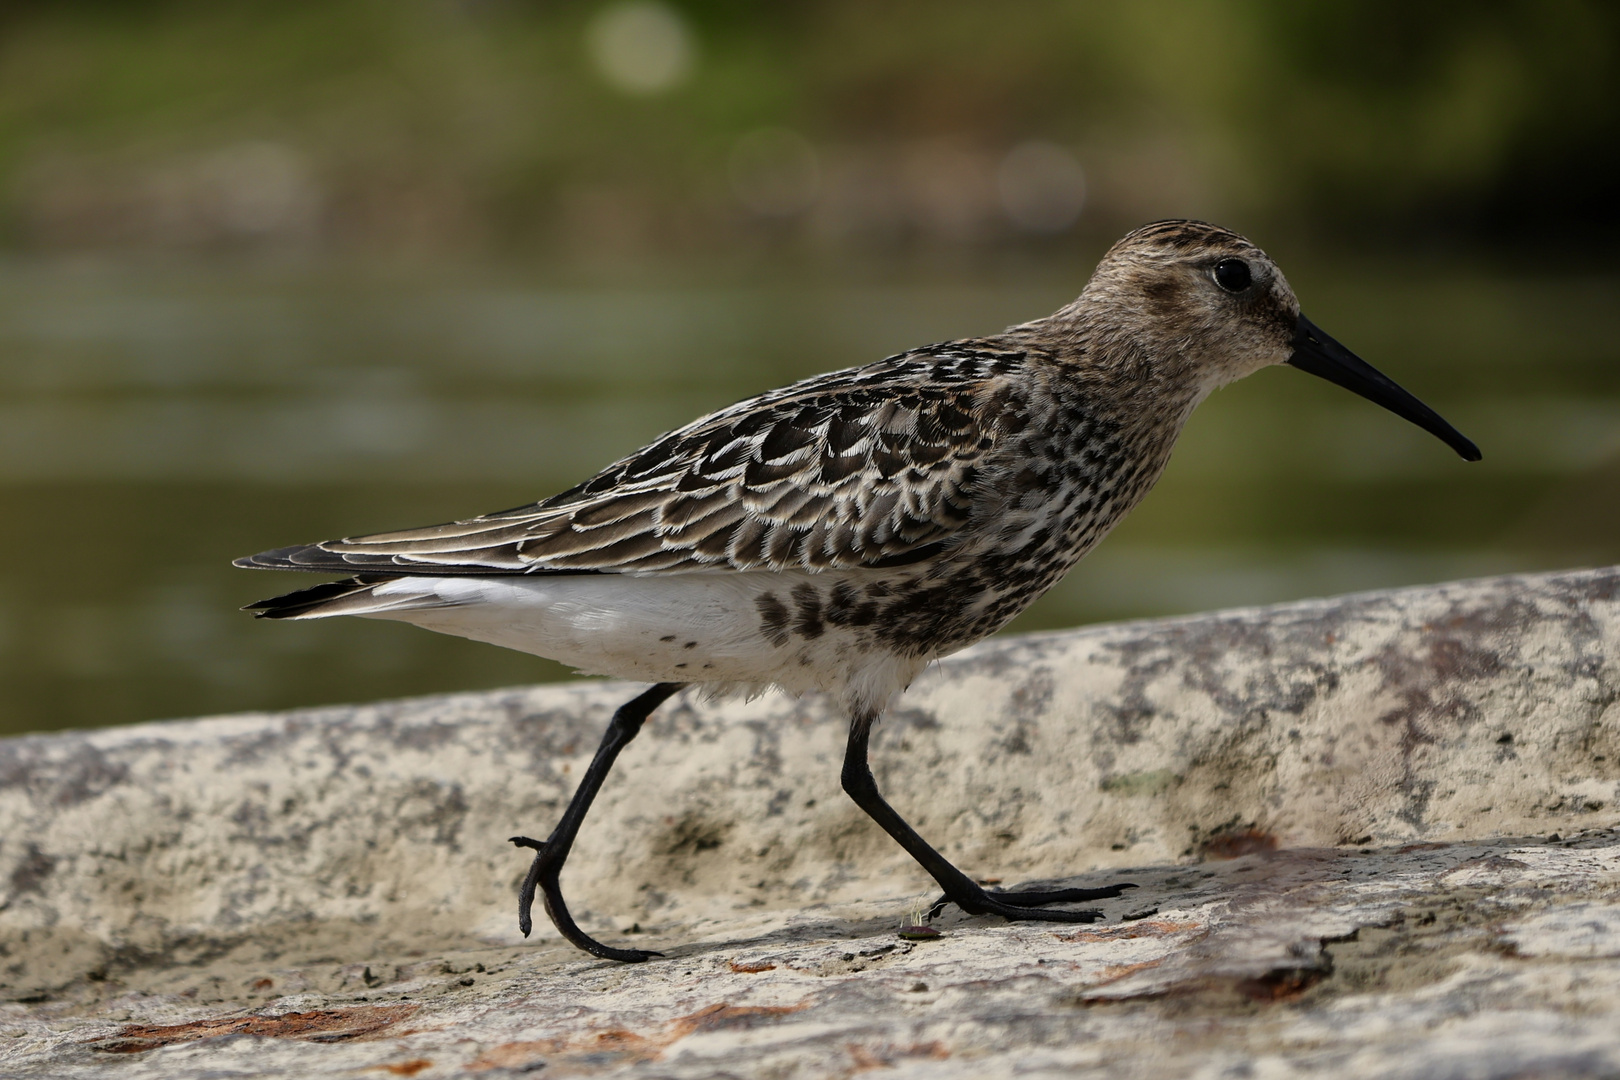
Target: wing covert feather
point(874, 466)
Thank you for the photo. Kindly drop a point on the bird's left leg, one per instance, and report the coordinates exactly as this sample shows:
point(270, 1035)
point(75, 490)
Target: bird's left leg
point(553, 852)
point(960, 889)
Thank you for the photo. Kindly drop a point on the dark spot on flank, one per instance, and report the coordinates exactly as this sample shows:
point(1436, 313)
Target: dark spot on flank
point(844, 607)
point(679, 666)
point(667, 637)
point(773, 618)
point(808, 601)
point(689, 645)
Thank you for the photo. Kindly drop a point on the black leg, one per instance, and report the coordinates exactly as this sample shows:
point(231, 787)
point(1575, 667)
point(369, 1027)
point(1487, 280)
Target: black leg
point(960, 889)
point(550, 856)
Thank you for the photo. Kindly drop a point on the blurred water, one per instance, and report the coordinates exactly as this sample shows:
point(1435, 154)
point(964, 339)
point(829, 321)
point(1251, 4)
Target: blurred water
point(154, 423)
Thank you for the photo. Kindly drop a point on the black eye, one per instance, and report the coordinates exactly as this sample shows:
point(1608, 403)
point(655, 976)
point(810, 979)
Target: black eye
point(1233, 275)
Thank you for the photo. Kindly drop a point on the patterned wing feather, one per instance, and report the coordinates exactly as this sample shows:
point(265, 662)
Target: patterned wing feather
point(874, 466)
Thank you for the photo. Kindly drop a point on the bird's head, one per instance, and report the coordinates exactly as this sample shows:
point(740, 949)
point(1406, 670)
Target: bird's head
point(1191, 306)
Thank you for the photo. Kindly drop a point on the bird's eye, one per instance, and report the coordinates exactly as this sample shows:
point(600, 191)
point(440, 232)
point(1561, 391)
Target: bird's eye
point(1233, 275)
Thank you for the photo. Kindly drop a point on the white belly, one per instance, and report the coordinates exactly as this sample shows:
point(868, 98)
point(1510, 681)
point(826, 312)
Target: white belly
point(698, 628)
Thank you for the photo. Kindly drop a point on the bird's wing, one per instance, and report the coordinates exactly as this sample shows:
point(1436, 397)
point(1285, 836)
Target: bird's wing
point(869, 467)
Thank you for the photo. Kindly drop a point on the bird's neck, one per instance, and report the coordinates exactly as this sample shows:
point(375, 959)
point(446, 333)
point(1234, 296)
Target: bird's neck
point(1137, 382)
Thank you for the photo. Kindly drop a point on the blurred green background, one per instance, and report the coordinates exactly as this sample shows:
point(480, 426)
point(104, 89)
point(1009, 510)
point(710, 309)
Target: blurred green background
point(276, 272)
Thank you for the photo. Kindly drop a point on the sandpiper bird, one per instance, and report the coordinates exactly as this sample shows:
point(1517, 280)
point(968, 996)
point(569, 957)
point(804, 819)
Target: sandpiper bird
point(840, 533)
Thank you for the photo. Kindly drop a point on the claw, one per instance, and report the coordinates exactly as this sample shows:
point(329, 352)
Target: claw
point(1022, 904)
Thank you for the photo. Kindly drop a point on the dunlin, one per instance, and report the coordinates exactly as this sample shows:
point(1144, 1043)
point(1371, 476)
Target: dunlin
point(840, 533)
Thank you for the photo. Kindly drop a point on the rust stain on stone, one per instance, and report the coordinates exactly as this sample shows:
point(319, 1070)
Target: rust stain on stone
point(1115, 972)
point(754, 968)
point(513, 1055)
point(1277, 985)
point(620, 1046)
point(321, 1025)
point(406, 1068)
point(1284, 984)
point(722, 1015)
point(885, 1057)
point(1235, 844)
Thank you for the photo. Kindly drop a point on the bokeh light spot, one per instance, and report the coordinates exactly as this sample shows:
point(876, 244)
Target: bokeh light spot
point(641, 46)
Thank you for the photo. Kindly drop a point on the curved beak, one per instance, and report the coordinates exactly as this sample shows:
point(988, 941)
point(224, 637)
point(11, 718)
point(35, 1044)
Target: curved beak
point(1319, 354)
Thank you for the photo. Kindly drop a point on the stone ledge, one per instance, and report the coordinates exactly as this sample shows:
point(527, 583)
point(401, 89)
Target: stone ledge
point(1374, 835)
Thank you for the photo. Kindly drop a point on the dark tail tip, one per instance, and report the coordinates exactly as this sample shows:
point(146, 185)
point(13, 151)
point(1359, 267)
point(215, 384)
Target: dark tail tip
point(303, 601)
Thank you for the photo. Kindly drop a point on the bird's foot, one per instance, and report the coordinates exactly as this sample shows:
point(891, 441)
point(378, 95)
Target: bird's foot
point(543, 877)
point(608, 952)
point(1026, 904)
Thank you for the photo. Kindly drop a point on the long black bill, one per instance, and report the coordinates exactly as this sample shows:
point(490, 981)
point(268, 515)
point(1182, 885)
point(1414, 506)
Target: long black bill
point(1319, 354)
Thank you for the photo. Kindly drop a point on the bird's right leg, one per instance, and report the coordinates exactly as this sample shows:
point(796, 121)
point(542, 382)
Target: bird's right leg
point(960, 889)
point(550, 855)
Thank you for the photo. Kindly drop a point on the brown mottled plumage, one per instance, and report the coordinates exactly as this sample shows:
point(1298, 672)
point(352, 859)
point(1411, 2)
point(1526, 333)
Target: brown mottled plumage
point(840, 533)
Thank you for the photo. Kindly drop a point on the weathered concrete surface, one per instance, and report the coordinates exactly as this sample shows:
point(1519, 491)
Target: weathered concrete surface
point(1421, 789)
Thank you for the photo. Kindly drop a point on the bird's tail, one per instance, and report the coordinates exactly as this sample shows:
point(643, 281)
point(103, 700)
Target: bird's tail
point(354, 596)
